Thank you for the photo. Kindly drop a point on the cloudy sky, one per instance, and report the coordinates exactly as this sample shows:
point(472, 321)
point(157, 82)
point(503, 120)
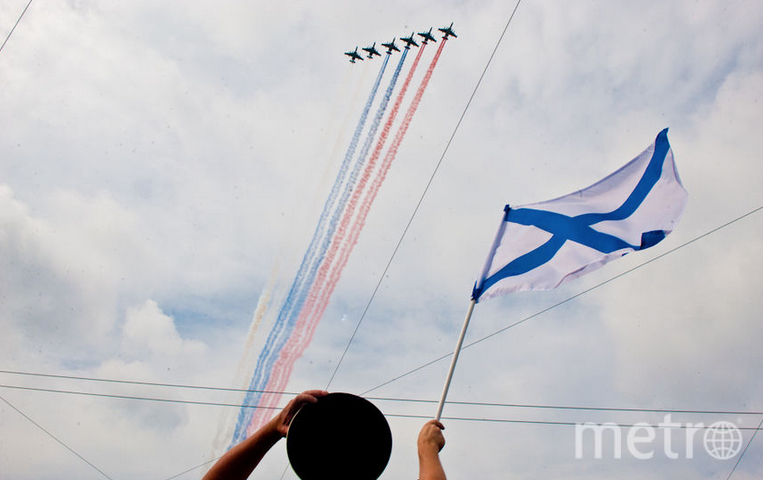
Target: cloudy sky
point(163, 163)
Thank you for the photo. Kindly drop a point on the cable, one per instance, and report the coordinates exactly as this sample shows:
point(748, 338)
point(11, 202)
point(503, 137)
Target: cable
point(571, 407)
point(541, 312)
point(566, 424)
point(15, 25)
point(745, 449)
point(423, 194)
point(528, 422)
point(55, 438)
point(193, 468)
point(396, 415)
point(399, 400)
point(391, 415)
point(380, 399)
point(134, 382)
point(132, 397)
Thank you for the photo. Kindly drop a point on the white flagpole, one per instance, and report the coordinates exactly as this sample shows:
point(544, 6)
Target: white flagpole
point(453, 361)
point(477, 291)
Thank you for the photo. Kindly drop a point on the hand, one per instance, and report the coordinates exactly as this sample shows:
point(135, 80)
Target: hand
point(281, 422)
point(430, 443)
point(431, 436)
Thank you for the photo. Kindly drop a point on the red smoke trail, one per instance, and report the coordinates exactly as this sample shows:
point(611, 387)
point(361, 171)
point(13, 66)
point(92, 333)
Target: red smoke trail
point(321, 291)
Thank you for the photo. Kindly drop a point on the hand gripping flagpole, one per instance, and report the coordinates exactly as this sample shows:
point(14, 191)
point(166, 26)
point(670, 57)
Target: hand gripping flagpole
point(476, 293)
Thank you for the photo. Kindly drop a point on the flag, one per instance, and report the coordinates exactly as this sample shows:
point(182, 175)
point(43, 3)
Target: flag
point(543, 245)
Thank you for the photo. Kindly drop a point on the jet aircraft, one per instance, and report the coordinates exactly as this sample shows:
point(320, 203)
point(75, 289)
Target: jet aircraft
point(354, 55)
point(409, 41)
point(372, 51)
point(427, 36)
point(448, 31)
point(391, 46)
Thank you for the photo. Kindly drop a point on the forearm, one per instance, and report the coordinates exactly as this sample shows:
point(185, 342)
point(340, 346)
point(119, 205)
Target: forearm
point(239, 462)
point(430, 467)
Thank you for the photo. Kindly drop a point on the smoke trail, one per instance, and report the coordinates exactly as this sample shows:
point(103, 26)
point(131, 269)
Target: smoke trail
point(308, 278)
point(378, 180)
point(350, 211)
point(287, 355)
point(298, 285)
point(337, 215)
point(309, 319)
point(259, 313)
point(223, 432)
point(369, 166)
point(312, 313)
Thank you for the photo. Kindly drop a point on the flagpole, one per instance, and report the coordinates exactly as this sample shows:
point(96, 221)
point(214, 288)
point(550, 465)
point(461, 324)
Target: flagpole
point(476, 293)
point(453, 361)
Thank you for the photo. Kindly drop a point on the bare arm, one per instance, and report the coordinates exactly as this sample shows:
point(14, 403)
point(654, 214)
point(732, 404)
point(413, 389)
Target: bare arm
point(239, 462)
point(430, 443)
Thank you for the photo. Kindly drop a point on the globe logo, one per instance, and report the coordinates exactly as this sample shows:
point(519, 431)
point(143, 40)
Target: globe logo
point(723, 440)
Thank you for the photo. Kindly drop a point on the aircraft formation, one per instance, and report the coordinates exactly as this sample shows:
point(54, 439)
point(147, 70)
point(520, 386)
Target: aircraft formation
point(408, 41)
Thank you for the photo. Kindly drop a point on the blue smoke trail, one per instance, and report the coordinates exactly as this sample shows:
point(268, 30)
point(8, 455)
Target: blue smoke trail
point(252, 398)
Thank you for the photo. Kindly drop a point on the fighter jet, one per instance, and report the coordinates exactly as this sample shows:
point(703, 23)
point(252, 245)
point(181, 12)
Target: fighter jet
point(354, 55)
point(372, 51)
point(391, 46)
point(448, 31)
point(427, 36)
point(409, 41)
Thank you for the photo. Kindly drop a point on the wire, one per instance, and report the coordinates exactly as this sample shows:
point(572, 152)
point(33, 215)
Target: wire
point(745, 449)
point(55, 438)
point(566, 424)
point(14, 26)
point(423, 194)
point(579, 294)
point(392, 415)
point(379, 399)
point(398, 400)
point(396, 415)
point(571, 407)
point(133, 397)
point(135, 382)
point(531, 422)
point(193, 468)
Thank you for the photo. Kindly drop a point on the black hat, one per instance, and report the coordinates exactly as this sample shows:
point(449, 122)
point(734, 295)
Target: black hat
point(343, 436)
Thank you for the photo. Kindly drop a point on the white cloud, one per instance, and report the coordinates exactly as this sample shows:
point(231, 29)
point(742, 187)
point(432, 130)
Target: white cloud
point(149, 333)
point(58, 289)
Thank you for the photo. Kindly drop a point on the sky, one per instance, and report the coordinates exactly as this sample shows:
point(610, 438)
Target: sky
point(163, 165)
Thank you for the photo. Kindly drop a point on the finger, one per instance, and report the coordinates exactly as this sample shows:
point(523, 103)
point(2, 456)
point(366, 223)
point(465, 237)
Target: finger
point(310, 396)
point(437, 424)
point(316, 393)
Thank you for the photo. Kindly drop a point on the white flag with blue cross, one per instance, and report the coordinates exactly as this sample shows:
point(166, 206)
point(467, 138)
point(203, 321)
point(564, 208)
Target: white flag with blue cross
point(543, 245)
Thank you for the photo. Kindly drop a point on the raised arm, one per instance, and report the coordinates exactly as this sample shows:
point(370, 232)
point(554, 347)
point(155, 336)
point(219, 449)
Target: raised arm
point(430, 443)
point(239, 462)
